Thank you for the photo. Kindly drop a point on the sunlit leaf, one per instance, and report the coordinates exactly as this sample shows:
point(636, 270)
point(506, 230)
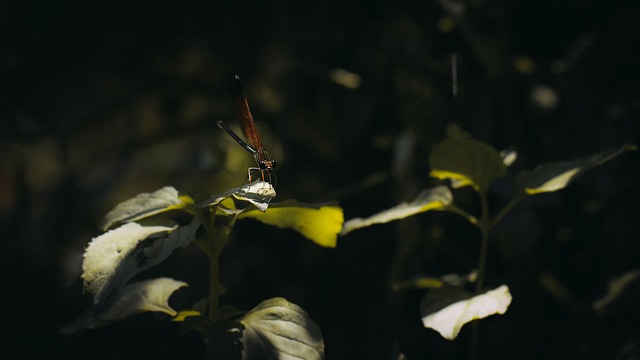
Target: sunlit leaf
point(114, 257)
point(556, 176)
point(107, 251)
point(278, 329)
point(320, 223)
point(466, 162)
point(143, 296)
point(437, 198)
point(145, 205)
point(447, 309)
point(615, 289)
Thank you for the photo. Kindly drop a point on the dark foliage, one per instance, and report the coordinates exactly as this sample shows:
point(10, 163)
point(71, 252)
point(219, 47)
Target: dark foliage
point(100, 101)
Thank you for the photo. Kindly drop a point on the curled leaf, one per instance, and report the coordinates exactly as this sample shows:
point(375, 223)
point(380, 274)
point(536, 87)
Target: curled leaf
point(320, 223)
point(438, 198)
point(114, 257)
point(259, 193)
point(149, 295)
point(467, 162)
point(145, 205)
point(447, 309)
point(558, 175)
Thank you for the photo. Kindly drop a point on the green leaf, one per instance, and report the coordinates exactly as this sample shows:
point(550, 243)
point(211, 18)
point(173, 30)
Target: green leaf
point(275, 329)
point(558, 175)
point(278, 329)
point(447, 308)
point(143, 296)
point(145, 205)
point(320, 223)
point(438, 198)
point(115, 256)
point(466, 162)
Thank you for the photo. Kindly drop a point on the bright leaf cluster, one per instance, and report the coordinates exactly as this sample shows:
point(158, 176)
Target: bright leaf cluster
point(145, 230)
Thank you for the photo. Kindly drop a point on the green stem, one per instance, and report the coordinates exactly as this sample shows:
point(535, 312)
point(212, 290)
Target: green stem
point(210, 245)
point(484, 226)
point(214, 286)
point(515, 201)
point(475, 335)
point(216, 238)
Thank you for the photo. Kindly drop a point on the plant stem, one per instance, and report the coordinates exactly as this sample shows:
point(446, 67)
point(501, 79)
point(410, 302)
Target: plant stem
point(484, 226)
point(515, 201)
point(216, 239)
point(475, 335)
point(214, 285)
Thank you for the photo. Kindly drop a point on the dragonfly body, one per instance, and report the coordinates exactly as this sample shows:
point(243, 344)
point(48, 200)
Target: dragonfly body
point(253, 143)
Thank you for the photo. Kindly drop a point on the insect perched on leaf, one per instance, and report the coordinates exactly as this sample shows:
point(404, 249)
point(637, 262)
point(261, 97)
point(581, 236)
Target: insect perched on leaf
point(253, 144)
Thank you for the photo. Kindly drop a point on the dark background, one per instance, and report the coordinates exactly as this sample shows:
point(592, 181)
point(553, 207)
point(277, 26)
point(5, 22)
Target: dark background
point(102, 101)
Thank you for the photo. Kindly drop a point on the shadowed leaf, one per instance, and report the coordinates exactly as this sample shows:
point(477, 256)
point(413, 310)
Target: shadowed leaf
point(467, 163)
point(149, 295)
point(558, 175)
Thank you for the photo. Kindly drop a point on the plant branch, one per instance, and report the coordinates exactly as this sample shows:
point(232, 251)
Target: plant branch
point(214, 286)
point(515, 201)
point(484, 226)
point(216, 239)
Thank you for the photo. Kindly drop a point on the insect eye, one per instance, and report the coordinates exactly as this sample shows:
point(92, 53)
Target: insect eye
point(273, 164)
point(263, 166)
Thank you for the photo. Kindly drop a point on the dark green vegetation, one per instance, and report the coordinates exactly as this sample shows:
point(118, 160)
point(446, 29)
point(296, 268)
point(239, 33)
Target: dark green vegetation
point(100, 103)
